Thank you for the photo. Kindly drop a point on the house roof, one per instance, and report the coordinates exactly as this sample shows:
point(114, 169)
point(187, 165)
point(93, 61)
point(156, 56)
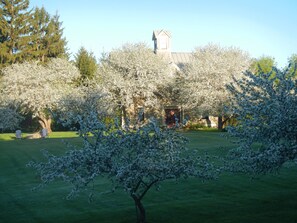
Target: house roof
point(181, 59)
point(157, 33)
point(177, 59)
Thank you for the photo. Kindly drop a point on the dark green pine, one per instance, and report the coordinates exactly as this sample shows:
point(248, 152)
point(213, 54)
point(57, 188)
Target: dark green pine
point(15, 19)
point(55, 42)
point(39, 26)
point(86, 63)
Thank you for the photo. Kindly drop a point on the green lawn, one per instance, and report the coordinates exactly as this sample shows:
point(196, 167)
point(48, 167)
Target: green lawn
point(231, 198)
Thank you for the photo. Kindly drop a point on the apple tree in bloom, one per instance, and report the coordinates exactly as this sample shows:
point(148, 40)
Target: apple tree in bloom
point(9, 116)
point(135, 160)
point(265, 106)
point(212, 67)
point(133, 75)
point(37, 88)
point(84, 102)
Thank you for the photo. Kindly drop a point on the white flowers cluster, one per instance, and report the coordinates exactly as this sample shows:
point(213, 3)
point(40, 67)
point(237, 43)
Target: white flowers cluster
point(37, 88)
point(133, 160)
point(133, 75)
point(265, 108)
point(206, 76)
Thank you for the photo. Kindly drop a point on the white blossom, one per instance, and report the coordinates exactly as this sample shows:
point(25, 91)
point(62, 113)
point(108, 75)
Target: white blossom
point(132, 160)
point(211, 69)
point(9, 117)
point(38, 88)
point(133, 75)
point(265, 108)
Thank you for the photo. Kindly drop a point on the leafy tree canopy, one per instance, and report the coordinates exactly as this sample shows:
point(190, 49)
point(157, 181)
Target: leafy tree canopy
point(264, 64)
point(292, 66)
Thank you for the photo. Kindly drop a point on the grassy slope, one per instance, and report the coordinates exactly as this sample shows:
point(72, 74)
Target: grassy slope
point(272, 198)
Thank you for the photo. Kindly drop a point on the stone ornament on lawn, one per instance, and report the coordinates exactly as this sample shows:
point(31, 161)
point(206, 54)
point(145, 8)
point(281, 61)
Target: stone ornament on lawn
point(44, 133)
point(18, 134)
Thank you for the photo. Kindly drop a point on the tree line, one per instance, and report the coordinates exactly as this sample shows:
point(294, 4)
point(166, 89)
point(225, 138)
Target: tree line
point(131, 77)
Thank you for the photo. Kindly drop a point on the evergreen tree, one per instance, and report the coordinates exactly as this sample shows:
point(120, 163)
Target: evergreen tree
point(47, 36)
point(54, 41)
point(15, 19)
point(29, 34)
point(41, 20)
point(86, 63)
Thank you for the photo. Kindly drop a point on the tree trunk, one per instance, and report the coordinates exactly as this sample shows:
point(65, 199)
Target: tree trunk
point(140, 211)
point(220, 122)
point(124, 117)
point(45, 123)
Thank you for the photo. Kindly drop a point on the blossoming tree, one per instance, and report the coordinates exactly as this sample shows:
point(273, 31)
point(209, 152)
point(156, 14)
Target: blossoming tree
point(212, 67)
point(38, 88)
point(133, 75)
point(265, 106)
point(133, 160)
point(9, 117)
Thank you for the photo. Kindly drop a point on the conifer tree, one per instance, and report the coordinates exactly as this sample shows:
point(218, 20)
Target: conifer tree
point(47, 36)
point(15, 19)
point(29, 34)
point(86, 63)
point(41, 20)
point(54, 41)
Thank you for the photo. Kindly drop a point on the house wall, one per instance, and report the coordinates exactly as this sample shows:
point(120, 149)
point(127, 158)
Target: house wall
point(162, 43)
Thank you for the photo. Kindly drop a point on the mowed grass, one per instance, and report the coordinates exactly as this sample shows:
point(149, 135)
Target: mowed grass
point(231, 198)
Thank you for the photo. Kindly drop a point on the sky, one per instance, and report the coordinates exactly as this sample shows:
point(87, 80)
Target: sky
point(260, 27)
